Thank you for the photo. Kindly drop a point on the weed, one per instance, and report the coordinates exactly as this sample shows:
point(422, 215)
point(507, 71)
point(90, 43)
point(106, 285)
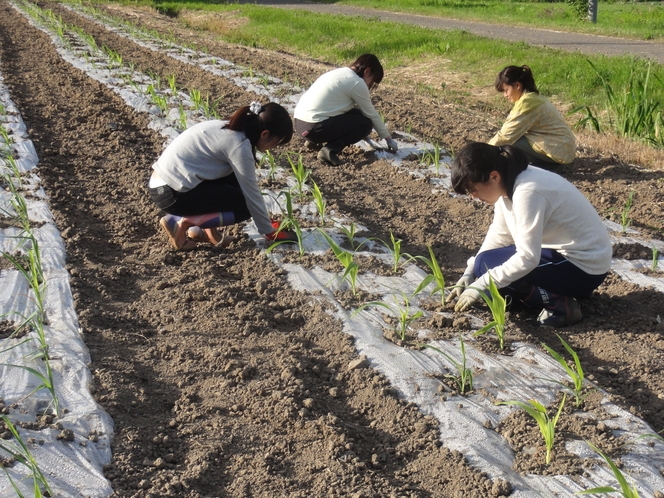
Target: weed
point(400, 310)
point(547, 425)
point(583, 122)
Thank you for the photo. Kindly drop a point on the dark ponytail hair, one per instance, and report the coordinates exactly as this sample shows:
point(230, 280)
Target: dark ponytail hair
point(255, 118)
point(515, 74)
point(475, 162)
point(371, 62)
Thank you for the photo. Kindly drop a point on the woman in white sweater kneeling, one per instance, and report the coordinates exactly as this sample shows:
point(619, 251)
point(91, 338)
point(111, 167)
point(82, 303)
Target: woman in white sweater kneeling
point(546, 245)
point(337, 111)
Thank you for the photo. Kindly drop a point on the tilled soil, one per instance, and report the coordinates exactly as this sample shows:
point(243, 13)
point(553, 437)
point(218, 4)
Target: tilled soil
point(221, 379)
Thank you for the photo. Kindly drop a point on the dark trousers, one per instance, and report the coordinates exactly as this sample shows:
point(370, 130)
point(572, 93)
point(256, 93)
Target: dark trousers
point(554, 273)
point(210, 196)
point(535, 158)
point(336, 132)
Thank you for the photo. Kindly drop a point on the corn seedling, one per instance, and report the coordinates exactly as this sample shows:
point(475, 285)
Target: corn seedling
point(349, 232)
point(655, 259)
point(161, 102)
point(625, 490)
point(496, 304)
point(319, 202)
point(547, 425)
point(265, 81)
point(346, 259)
point(172, 85)
point(625, 220)
point(301, 174)
point(271, 162)
point(400, 310)
point(575, 373)
point(464, 377)
point(435, 276)
point(196, 99)
point(432, 158)
point(395, 251)
point(182, 120)
point(289, 222)
point(21, 454)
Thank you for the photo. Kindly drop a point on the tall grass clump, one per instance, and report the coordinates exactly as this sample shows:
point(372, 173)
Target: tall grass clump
point(633, 110)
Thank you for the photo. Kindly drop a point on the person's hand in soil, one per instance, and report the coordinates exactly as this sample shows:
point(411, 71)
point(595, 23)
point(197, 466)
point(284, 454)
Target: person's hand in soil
point(392, 145)
point(462, 283)
point(470, 297)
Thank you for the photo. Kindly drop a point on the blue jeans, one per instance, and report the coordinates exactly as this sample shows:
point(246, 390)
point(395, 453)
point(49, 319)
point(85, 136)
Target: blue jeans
point(554, 273)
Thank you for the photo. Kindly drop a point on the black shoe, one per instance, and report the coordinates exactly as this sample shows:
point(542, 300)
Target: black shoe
point(330, 157)
point(561, 312)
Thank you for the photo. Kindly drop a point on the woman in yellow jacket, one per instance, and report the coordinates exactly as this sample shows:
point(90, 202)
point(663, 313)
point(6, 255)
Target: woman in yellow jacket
point(534, 126)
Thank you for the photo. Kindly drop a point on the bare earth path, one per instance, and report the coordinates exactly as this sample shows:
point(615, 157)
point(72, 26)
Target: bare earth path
point(585, 43)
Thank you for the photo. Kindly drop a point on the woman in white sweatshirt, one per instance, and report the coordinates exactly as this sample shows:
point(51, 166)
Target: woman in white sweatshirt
point(546, 245)
point(337, 110)
point(206, 178)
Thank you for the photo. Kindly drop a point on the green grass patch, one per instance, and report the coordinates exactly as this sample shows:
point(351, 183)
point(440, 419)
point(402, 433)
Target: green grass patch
point(641, 20)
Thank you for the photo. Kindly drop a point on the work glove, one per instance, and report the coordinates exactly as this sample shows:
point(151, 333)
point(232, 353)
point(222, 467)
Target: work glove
point(391, 144)
point(286, 236)
point(468, 298)
point(464, 281)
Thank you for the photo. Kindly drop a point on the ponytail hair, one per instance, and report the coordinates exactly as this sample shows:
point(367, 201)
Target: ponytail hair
point(255, 118)
point(515, 74)
point(475, 162)
point(371, 62)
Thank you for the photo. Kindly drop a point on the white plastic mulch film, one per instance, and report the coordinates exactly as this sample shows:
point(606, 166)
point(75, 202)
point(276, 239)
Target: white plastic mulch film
point(462, 419)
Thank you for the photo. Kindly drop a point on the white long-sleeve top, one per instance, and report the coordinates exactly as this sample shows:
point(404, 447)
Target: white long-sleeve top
point(337, 92)
point(546, 211)
point(207, 151)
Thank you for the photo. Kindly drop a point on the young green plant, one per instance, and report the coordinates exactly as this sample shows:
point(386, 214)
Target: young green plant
point(547, 425)
point(497, 305)
point(289, 222)
point(300, 173)
point(464, 377)
point(625, 220)
point(436, 276)
point(400, 310)
point(21, 454)
point(319, 202)
point(395, 251)
point(351, 268)
point(625, 490)
point(655, 259)
point(349, 231)
point(575, 373)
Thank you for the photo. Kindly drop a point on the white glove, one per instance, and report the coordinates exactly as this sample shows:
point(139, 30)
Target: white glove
point(391, 144)
point(469, 298)
point(457, 290)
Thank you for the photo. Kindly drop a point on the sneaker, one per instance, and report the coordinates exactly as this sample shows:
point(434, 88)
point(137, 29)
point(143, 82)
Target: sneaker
point(330, 157)
point(561, 312)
